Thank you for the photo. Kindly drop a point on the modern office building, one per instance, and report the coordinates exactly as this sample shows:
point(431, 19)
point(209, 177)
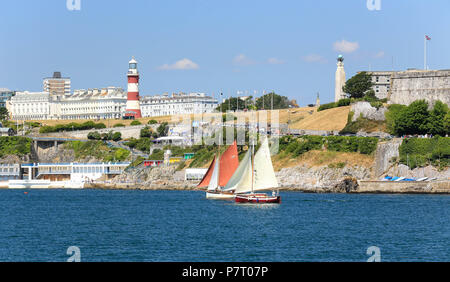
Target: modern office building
point(57, 85)
point(5, 95)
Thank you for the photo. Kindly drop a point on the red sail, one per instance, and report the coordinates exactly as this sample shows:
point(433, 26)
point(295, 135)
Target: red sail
point(228, 164)
point(205, 181)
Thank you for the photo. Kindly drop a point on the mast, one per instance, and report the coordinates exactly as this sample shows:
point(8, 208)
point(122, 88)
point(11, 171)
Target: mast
point(253, 164)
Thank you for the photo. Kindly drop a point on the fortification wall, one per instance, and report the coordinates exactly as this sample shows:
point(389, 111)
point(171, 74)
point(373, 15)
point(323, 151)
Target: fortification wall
point(408, 86)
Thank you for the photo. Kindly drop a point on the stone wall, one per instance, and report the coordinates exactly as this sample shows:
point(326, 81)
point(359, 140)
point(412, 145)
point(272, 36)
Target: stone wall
point(385, 154)
point(442, 186)
point(408, 86)
point(127, 132)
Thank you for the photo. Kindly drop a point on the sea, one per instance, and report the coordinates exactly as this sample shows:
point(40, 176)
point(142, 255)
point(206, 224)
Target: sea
point(182, 226)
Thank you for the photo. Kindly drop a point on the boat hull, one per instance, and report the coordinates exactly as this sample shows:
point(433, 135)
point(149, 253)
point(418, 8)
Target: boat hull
point(258, 199)
point(219, 195)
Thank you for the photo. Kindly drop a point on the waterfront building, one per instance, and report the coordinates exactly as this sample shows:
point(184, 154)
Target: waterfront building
point(9, 171)
point(339, 79)
point(181, 103)
point(56, 102)
point(5, 95)
point(133, 108)
point(76, 172)
point(57, 85)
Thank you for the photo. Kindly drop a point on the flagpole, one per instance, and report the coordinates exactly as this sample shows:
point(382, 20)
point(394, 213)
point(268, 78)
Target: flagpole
point(425, 53)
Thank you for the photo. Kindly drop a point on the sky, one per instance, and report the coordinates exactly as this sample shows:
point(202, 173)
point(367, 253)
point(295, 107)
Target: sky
point(215, 46)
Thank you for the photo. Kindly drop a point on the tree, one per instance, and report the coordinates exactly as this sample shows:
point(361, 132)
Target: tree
point(163, 129)
point(447, 123)
point(4, 115)
point(232, 104)
point(279, 102)
point(392, 116)
point(358, 85)
point(413, 119)
point(146, 132)
point(436, 119)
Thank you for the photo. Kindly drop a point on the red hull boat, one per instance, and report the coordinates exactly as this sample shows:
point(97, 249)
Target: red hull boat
point(258, 199)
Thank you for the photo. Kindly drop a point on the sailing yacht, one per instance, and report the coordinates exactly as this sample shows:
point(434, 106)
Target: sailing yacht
point(219, 173)
point(255, 174)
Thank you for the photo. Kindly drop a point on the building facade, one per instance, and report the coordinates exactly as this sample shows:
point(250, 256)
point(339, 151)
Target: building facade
point(106, 103)
point(57, 85)
point(29, 106)
point(381, 83)
point(5, 95)
point(181, 103)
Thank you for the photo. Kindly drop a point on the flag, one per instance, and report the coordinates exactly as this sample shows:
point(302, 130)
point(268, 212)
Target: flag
point(427, 37)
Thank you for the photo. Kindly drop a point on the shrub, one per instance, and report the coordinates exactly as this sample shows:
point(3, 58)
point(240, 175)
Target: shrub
point(119, 125)
point(343, 102)
point(94, 135)
point(116, 136)
point(145, 132)
point(152, 121)
point(419, 152)
point(135, 122)
point(327, 106)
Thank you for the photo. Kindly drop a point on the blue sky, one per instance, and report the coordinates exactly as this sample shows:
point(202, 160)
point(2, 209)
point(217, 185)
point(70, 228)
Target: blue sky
point(216, 45)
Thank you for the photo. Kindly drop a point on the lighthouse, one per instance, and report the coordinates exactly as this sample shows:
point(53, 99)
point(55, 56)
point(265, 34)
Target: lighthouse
point(133, 106)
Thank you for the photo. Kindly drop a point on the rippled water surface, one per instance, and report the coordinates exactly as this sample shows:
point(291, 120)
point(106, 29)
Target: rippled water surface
point(136, 225)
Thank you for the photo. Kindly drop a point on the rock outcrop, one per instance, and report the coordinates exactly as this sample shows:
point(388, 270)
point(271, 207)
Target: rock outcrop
point(320, 178)
point(365, 110)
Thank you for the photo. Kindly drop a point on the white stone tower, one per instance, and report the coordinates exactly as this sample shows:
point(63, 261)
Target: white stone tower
point(317, 100)
point(133, 104)
point(340, 79)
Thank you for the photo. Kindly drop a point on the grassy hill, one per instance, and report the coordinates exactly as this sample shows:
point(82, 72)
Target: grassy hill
point(301, 118)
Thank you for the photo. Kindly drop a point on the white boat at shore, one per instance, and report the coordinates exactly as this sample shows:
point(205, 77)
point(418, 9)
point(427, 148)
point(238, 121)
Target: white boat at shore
point(42, 184)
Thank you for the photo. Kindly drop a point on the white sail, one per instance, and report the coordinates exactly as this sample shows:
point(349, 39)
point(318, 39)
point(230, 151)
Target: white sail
point(241, 181)
point(214, 182)
point(264, 177)
point(238, 173)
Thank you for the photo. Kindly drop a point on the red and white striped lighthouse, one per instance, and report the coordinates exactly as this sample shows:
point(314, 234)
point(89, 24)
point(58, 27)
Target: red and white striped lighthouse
point(133, 105)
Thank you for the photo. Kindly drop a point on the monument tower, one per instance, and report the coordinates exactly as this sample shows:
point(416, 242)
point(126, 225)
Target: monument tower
point(340, 79)
point(133, 104)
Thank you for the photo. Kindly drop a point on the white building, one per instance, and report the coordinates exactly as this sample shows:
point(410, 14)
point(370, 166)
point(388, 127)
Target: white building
point(105, 103)
point(93, 104)
point(29, 106)
point(181, 103)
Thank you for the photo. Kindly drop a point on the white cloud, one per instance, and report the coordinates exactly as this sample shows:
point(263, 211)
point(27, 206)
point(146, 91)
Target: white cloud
point(314, 58)
point(345, 46)
point(275, 61)
point(379, 54)
point(184, 64)
point(242, 60)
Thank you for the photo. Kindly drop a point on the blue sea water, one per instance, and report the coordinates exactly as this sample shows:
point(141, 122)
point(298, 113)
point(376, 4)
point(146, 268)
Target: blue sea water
point(108, 225)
